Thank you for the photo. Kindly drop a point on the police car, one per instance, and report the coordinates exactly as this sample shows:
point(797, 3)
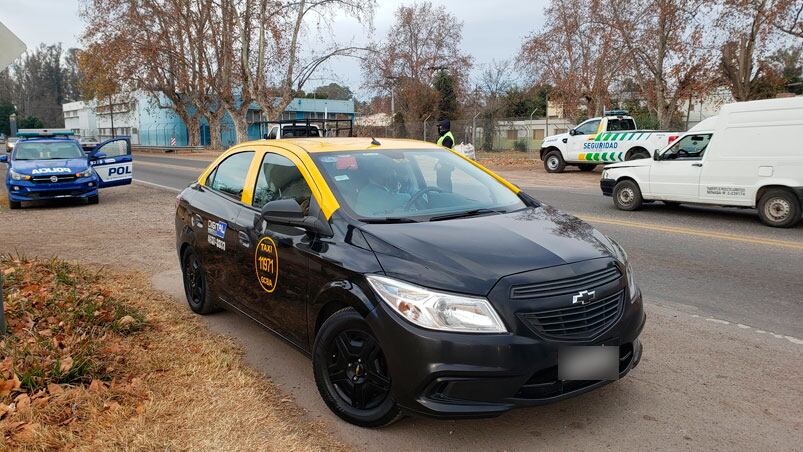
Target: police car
point(418, 281)
point(49, 164)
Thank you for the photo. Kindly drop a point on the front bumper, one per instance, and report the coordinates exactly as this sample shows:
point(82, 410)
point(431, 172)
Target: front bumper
point(35, 191)
point(607, 186)
point(453, 375)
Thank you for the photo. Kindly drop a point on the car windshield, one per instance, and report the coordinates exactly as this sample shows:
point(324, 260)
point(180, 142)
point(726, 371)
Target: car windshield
point(47, 150)
point(415, 185)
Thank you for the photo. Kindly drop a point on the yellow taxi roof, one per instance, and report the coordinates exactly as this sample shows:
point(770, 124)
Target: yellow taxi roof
point(316, 144)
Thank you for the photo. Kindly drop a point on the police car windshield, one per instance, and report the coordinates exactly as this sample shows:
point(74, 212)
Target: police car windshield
point(47, 150)
point(422, 184)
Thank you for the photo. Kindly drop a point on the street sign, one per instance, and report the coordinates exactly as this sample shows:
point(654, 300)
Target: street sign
point(11, 47)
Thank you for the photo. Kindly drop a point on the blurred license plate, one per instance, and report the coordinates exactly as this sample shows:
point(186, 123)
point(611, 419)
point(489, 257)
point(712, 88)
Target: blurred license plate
point(588, 363)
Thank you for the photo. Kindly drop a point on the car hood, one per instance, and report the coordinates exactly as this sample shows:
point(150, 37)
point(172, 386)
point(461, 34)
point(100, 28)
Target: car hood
point(49, 167)
point(469, 255)
point(638, 163)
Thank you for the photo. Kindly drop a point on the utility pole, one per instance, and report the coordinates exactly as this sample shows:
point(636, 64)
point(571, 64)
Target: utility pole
point(111, 112)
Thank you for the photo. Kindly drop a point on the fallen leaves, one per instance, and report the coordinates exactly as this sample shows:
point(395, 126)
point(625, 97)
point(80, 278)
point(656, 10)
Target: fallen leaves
point(65, 364)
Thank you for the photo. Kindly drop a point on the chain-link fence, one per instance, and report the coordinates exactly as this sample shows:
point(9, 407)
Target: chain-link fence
point(486, 134)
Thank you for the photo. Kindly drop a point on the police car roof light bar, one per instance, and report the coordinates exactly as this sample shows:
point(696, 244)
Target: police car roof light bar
point(31, 133)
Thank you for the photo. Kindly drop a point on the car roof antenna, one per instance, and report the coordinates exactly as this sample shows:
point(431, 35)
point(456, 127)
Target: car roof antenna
point(374, 142)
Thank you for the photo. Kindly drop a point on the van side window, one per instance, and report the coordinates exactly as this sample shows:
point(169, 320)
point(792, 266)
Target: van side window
point(620, 125)
point(229, 176)
point(588, 128)
point(690, 147)
point(279, 178)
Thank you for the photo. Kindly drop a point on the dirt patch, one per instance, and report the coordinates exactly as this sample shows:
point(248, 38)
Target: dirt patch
point(151, 376)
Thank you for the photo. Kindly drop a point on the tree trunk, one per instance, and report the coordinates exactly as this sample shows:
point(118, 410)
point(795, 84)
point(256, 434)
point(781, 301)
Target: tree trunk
point(194, 130)
point(215, 141)
point(238, 116)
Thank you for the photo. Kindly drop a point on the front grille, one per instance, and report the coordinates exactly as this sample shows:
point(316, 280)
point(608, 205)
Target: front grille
point(576, 322)
point(67, 178)
point(567, 285)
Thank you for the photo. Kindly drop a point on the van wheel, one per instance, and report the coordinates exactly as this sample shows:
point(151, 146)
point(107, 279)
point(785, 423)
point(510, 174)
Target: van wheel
point(586, 167)
point(627, 196)
point(351, 371)
point(779, 208)
point(195, 287)
point(553, 162)
point(14, 204)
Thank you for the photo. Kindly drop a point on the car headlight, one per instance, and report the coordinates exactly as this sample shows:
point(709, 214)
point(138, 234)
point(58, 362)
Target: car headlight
point(438, 310)
point(85, 173)
point(605, 174)
point(17, 176)
point(621, 256)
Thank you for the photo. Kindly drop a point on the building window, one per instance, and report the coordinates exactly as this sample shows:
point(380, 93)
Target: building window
point(512, 134)
point(538, 134)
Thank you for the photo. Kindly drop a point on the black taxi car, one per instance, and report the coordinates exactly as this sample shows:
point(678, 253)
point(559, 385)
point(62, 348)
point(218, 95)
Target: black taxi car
point(418, 281)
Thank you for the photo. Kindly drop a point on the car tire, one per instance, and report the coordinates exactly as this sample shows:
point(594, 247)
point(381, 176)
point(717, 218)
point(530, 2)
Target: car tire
point(14, 204)
point(627, 195)
point(196, 288)
point(553, 162)
point(639, 153)
point(779, 208)
point(93, 199)
point(587, 167)
point(351, 372)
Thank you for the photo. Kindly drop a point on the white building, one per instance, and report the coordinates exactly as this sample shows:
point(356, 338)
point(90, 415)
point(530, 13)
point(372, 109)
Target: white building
point(80, 118)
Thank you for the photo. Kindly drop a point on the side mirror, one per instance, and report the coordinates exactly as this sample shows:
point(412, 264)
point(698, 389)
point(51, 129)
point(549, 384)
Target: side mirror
point(287, 212)
point(572, 132)
point(655, 155)
point(98, 155)
point(3, 159)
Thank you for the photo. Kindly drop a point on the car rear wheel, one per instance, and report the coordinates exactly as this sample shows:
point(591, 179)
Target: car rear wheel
point(351, 371)
point(553, 162)
point(195, 287)
point(779, 208)
point(14, 204)
point(627, 196)
point(586, 167)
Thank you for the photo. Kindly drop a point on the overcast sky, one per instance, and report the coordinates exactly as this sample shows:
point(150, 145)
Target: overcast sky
point(491, 29)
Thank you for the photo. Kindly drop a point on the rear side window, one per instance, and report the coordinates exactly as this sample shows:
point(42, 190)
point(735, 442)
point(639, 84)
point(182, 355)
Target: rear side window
point(229, 176)
point(619, 125)
point(279, 178)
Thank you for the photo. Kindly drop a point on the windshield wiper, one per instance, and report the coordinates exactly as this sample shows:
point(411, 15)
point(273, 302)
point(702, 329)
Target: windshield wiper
point(389, 220)
point(467, 213)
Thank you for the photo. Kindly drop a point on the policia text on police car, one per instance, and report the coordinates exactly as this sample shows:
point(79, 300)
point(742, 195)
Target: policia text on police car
point(412, 294)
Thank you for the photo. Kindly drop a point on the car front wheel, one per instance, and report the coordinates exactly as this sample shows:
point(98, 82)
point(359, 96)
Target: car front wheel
point(627, 195)
point(351, 371)
point(553, 162)
point(195, 287)
point(14, 204)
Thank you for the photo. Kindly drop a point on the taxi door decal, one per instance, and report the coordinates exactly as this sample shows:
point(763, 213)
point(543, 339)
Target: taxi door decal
point(266, 264)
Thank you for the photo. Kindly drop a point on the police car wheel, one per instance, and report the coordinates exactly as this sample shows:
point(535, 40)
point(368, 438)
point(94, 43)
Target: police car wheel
point(779, 208)
point(553, 162)
point(93, 199)
point(14, 204)
point(627, 196)
point(351, 371)
point(195, 286)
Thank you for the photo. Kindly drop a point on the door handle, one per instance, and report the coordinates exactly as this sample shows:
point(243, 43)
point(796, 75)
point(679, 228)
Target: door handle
point(244, 239)
point(697, 164)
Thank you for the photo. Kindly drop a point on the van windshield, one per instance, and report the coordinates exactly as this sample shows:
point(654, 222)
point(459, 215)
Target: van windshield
point(47, 150)
point(412, 184)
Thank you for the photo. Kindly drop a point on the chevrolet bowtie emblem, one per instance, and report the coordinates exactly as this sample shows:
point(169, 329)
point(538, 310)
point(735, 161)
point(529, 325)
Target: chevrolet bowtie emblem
point(584, 296)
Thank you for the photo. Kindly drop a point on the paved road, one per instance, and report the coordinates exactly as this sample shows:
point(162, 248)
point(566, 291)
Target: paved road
point(721, 263)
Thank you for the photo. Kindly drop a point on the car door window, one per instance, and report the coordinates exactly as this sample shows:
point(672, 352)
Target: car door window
point(587, 128)
point(115, 148)
point(279, 178)
point(229, 176)
point(690, 147)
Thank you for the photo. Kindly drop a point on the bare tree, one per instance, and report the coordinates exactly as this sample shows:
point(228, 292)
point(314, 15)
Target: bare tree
point(790, 18)
point(663, 49)
point(575, 53)
point(423, 38)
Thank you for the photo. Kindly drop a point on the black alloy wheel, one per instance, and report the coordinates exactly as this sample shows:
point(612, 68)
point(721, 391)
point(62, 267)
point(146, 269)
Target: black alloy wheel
point(351, 371)
point(195, 287)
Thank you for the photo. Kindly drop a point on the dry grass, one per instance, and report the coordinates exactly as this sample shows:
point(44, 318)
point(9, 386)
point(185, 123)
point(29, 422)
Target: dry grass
point(172, 384)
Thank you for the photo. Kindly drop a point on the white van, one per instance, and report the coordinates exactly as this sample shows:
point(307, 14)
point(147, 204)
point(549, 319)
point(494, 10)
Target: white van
point(750, 155)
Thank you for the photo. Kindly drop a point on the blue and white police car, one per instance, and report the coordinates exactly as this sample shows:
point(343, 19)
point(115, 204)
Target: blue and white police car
point(50, 164)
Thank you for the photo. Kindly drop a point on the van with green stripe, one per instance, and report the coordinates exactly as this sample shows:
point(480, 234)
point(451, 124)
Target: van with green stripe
point(610, 138)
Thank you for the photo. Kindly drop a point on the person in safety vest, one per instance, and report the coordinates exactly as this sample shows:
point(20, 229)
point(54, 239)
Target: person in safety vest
point(443, 171)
